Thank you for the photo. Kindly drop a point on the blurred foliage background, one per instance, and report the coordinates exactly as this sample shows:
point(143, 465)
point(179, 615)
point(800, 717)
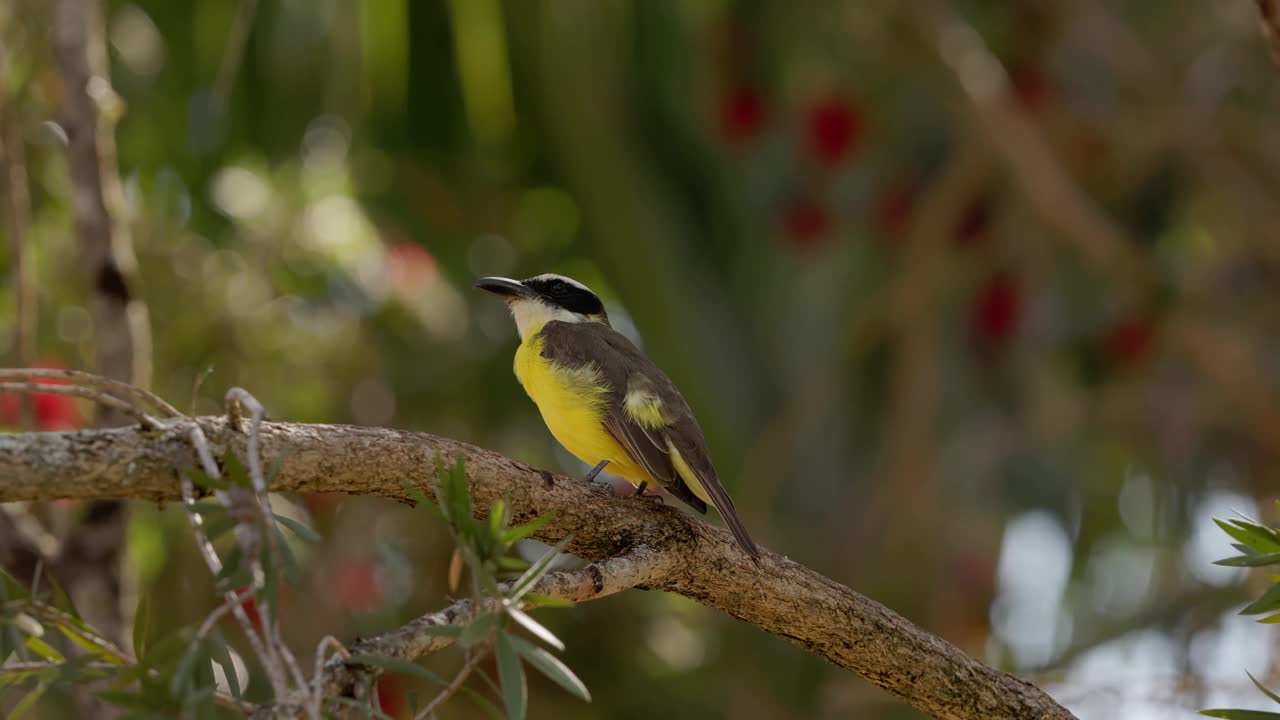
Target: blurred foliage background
point(841, 229)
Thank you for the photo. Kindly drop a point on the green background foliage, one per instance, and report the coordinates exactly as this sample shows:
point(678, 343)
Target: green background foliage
point(736, 179)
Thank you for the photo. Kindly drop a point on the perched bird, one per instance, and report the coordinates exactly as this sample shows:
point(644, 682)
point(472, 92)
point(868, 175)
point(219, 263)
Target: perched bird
point(604, 400)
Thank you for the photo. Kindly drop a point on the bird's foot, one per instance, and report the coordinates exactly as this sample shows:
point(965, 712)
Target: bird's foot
point(591, 475)
point(640, 493)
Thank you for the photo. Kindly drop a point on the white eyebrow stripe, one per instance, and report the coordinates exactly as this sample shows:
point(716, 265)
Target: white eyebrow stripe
point(571, 281)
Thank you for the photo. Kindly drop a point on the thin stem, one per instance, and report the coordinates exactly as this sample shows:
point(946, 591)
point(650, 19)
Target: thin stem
point(472, 661)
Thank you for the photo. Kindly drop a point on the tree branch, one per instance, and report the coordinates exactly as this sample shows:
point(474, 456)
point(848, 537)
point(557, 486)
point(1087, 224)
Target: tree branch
point(692, 558)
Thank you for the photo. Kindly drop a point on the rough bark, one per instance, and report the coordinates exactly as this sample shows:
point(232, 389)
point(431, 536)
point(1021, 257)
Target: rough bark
point(703, 563)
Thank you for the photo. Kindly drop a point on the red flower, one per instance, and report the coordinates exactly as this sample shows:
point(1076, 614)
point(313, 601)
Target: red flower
point(360, 586)
point(410, 266)
point(741, 116)
point(1128, 342)
point(997, 311)
point(806, 224)
point(835, 128)
point(52, 412)
point(250, 607)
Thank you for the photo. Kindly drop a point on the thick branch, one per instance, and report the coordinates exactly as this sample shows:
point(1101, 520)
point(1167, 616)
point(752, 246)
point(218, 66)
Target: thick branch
point(702, 562)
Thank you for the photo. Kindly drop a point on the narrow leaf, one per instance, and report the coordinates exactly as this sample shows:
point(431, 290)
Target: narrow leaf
point(1255, 560)
point(477, 630)
point(1269, 601)
point(219, 654)
point(547, 601)
point(1262, 539)
point(511, 678)
point(27, 701)
point(141, 624)
point(533, 626)
point(1241, 714)
point(302, 530)
point(43, 649)
point(540, 568)
point(552, 667)
point(403, 667)
point(520, 532)
point(1274, 698)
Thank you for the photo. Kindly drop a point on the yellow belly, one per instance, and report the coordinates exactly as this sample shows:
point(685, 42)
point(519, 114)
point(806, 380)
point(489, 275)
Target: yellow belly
point(572, 405)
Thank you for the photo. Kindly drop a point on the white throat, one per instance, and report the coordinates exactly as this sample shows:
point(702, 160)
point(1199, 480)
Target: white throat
point(531, 315)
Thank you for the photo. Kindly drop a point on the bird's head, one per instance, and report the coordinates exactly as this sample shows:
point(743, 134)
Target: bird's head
point(538, 300)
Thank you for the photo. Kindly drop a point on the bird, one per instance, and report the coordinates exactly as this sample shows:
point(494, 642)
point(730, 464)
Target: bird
point(604, 400)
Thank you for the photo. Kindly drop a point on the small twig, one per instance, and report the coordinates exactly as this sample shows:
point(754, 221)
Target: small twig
point(106, 384)
point(88, 393)
point(214, 564)
point(327, 642)
point(33, 534)
point(220, 611)
point(476, 656)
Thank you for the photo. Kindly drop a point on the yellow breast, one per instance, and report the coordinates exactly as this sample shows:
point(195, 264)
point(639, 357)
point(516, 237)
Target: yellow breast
point(572, 403)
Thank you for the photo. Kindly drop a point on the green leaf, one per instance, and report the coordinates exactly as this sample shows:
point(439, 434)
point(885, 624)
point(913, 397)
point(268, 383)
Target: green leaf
point(276, 466)
point(515, 692)
point(520, 532)
point(535, 573)
point(43, 649)
point(234, 471)
point(1260, 538)
point(1255, 560)
point(182, 674)
point(1270, 619)
point(478, 629)
point(231, 567)
point(403, 667)
point(457, 498)
point(422, 502)
point(10, 588)
point(1241, 714)
point(535, 627)
point(289, 561)
point(200, 479)
point(141, 624)
point(27, 701)
point(1269, 601)
point(483, 703)
point(497, 518)
point(513, 564)
point(61, 600)
point(92, 644)
point(302, 530)
point(219, 653)
point(1274, 698)
point(551, 666)
point(547, 601)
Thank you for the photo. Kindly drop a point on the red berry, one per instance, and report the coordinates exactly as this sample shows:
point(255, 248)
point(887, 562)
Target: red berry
point(391, 699)
point(806, 224)
point(360, 586)
point(1128, 342)
point(835, 129)
point(997, 311)
point(741, 116)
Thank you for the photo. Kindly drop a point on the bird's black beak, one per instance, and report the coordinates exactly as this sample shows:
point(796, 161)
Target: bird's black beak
point(504, 287)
